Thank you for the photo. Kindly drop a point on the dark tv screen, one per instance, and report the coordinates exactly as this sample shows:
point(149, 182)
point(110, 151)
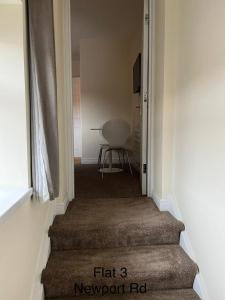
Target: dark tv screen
point(137, 75)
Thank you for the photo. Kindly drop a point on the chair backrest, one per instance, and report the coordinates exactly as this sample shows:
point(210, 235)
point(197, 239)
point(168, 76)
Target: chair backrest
point(116, 132)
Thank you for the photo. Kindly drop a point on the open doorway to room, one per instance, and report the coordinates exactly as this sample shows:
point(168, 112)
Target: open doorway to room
point(110, 75)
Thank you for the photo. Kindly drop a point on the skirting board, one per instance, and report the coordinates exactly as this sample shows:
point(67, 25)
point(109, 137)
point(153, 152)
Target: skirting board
point(55, 208)
point(94, 161)
point(185, 243)
point(89, 161)
point(37, 292)
point(61, 207)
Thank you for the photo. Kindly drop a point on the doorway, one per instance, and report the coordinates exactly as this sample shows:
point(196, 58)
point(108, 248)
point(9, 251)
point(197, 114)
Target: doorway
point(105, 53)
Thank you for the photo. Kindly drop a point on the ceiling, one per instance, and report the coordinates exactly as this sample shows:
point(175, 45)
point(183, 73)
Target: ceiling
point(101, 19)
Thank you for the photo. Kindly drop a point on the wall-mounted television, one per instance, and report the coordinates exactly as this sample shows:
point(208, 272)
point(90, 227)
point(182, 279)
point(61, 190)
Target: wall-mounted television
point(137, 75)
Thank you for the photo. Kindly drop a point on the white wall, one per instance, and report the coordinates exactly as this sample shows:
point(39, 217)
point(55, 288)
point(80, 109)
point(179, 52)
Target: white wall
point(13, 122)
point(21, 238)
point(105, 89)
point(189, 125)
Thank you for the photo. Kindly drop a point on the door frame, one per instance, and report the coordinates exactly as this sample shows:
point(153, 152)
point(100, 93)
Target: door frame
point(147, 118)
point(69, 103)
point(62, 14)
point(150, 137)
point(144, 96)
point(68, 95)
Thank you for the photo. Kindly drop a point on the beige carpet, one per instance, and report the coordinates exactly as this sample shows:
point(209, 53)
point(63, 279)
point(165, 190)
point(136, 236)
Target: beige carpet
point(116, 248)
point(112, 223)
point(184, 294)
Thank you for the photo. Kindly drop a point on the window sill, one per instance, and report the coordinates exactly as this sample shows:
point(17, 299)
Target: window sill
point(11, 199)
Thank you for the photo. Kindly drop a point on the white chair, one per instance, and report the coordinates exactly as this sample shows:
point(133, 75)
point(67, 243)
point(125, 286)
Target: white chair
point(116, 132)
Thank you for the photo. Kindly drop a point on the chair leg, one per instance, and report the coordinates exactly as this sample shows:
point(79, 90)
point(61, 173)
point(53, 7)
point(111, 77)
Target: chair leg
point(128, 159)
point(124, 161)
point(120, 161)
point(103, 166)
point(100, 158)
point(110, 159)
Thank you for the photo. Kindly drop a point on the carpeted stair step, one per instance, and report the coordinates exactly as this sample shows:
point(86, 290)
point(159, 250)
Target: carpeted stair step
point(112, 223)
point(187, 294)
point(159, 267)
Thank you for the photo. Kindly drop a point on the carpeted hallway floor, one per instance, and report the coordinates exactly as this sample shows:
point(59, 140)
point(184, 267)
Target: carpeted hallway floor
point(89, 183)
point(110, 247)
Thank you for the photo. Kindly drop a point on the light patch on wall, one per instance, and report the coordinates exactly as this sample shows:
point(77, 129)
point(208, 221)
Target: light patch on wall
point(13, 113)
point(11, 2)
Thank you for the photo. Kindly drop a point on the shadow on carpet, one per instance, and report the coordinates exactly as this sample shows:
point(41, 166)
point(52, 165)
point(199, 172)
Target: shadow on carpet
point(89, 183)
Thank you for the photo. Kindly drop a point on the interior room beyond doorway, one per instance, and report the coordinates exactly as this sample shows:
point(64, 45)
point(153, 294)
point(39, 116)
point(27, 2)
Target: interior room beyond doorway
point(106, 43)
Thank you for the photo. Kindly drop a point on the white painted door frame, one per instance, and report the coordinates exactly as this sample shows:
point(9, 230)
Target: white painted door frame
point(147, 97)
point(68, 95)
point(62, 12)
point(144, 96)
point(150, 136)
point(147, 106)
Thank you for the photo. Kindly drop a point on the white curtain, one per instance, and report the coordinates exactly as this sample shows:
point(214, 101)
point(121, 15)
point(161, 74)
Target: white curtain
point(43, 99)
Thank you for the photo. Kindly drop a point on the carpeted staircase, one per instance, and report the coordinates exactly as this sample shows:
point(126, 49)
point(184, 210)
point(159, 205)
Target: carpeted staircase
point(121, 248)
